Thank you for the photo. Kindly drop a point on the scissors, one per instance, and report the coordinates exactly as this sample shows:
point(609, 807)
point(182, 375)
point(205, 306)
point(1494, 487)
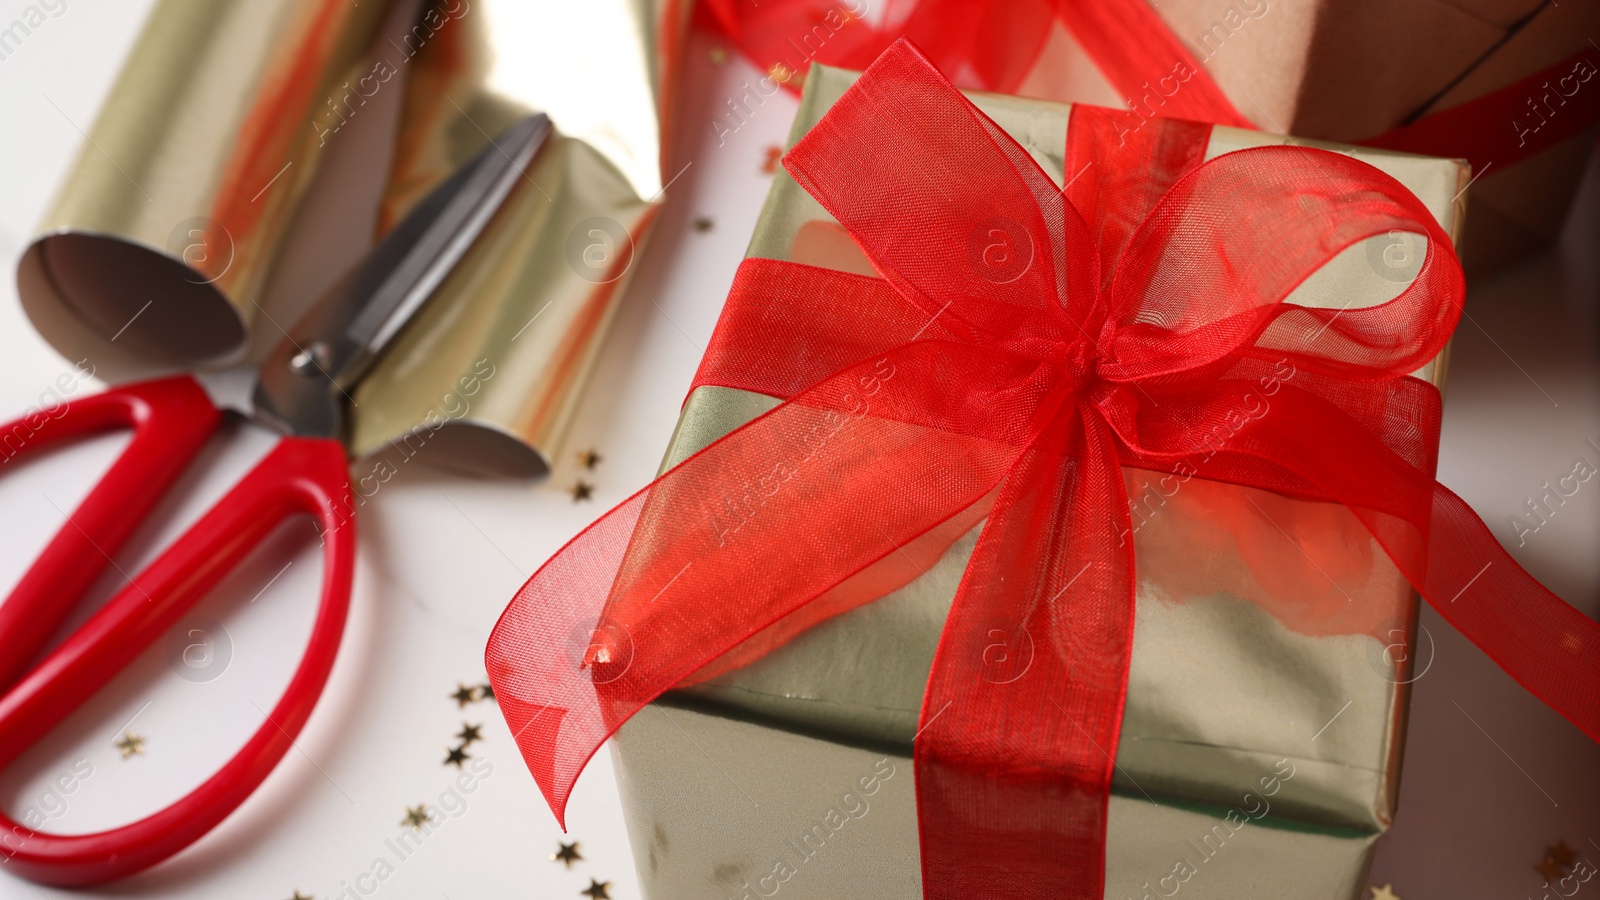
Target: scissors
point(300, 390)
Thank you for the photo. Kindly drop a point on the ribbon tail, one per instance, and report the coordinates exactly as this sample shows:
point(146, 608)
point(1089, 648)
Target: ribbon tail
point(1023, 710)
point(1465, 574)
point(778, 525)
point(1322, 439)
point(1540, 640)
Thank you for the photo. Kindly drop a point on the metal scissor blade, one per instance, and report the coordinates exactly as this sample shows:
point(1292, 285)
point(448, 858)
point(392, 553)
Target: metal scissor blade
point(303, 384)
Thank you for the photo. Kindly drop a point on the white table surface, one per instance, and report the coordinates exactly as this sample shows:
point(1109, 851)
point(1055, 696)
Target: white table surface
point(1491, 776)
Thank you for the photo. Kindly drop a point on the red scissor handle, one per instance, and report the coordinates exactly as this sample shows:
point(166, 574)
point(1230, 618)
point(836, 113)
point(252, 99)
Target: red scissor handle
point(299, 476)
point(171, 420)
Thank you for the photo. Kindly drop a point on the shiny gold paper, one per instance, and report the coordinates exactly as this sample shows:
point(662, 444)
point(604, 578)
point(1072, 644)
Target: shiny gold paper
point(518, 324)
point(157, 249)
point(1246, 666)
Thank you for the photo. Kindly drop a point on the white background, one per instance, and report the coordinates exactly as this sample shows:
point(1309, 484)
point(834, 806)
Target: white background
point(1491, 777)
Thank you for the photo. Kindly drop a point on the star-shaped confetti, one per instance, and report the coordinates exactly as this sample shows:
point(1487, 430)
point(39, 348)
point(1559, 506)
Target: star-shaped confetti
point(703, 224)
point(583, 490)
point(1562, 854)
point(718, 56)
point(485, 691)
point(131, 745)
point(416, 816)
point(770, 164)
point(1384, 893)
point(597, 890)
point(781, 73)
point(455, 756)
point(589, 459)
point(567, 854)
point(300, 896)
point(469, 734)
point(464, 695)
point(1550, 869)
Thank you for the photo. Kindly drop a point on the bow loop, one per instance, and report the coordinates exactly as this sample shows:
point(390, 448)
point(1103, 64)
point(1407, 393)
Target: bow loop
point(956, 216)
point(1205, 278)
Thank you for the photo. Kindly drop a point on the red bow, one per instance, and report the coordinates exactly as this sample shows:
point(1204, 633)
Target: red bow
point(1023, 344)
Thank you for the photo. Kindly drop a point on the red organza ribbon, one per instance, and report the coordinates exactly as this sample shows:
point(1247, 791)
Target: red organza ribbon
point(1022, 345)
point(988, 45)
point(992, 44)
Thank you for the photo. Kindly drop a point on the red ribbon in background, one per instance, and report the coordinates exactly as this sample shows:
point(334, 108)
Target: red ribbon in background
point(990, 45)
point(1022, 345)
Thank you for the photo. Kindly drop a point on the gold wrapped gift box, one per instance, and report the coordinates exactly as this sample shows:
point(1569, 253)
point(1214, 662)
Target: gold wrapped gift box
point(1266, 706)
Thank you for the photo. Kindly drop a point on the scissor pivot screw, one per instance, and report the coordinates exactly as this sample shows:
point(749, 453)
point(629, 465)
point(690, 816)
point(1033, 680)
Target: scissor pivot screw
point(312, 359)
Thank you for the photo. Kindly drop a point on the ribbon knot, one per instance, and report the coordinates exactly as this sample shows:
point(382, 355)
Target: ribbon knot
point(1079, 361)
point(904, 423)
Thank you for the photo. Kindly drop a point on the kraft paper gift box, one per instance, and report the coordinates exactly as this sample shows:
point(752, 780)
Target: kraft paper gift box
point(1267, 697)
point(1349, 70)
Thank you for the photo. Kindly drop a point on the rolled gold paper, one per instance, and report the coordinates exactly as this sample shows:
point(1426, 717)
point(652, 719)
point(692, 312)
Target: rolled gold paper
point(159, 249)
point(490, 373)
point(158, 246)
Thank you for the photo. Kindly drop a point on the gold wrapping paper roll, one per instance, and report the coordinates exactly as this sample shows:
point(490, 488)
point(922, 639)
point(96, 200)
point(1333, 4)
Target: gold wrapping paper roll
point(158, 246)
point(520, 321)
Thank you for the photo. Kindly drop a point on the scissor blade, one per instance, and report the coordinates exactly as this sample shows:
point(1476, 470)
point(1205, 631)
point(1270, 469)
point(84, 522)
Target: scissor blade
point(303, 384)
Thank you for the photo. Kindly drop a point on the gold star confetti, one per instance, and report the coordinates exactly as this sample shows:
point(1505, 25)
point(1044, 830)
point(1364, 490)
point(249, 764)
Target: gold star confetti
point(1561, 853)
point(131, 745)
point(567, 854)
point(781, 73)
point(463, 695)
point(416, 816)
point(485, 691)
point(704, 224)
point(718, 56)
point(589, 459)
point(1551, 869)
point(470, 734)
point(770, 164)
point(597, 890)
point(456, 756)
point(1384, 893)
point(583, 490)
point(300, 896)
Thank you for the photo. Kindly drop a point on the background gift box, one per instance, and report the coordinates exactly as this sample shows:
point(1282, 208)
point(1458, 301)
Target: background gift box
point(1352, 71)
